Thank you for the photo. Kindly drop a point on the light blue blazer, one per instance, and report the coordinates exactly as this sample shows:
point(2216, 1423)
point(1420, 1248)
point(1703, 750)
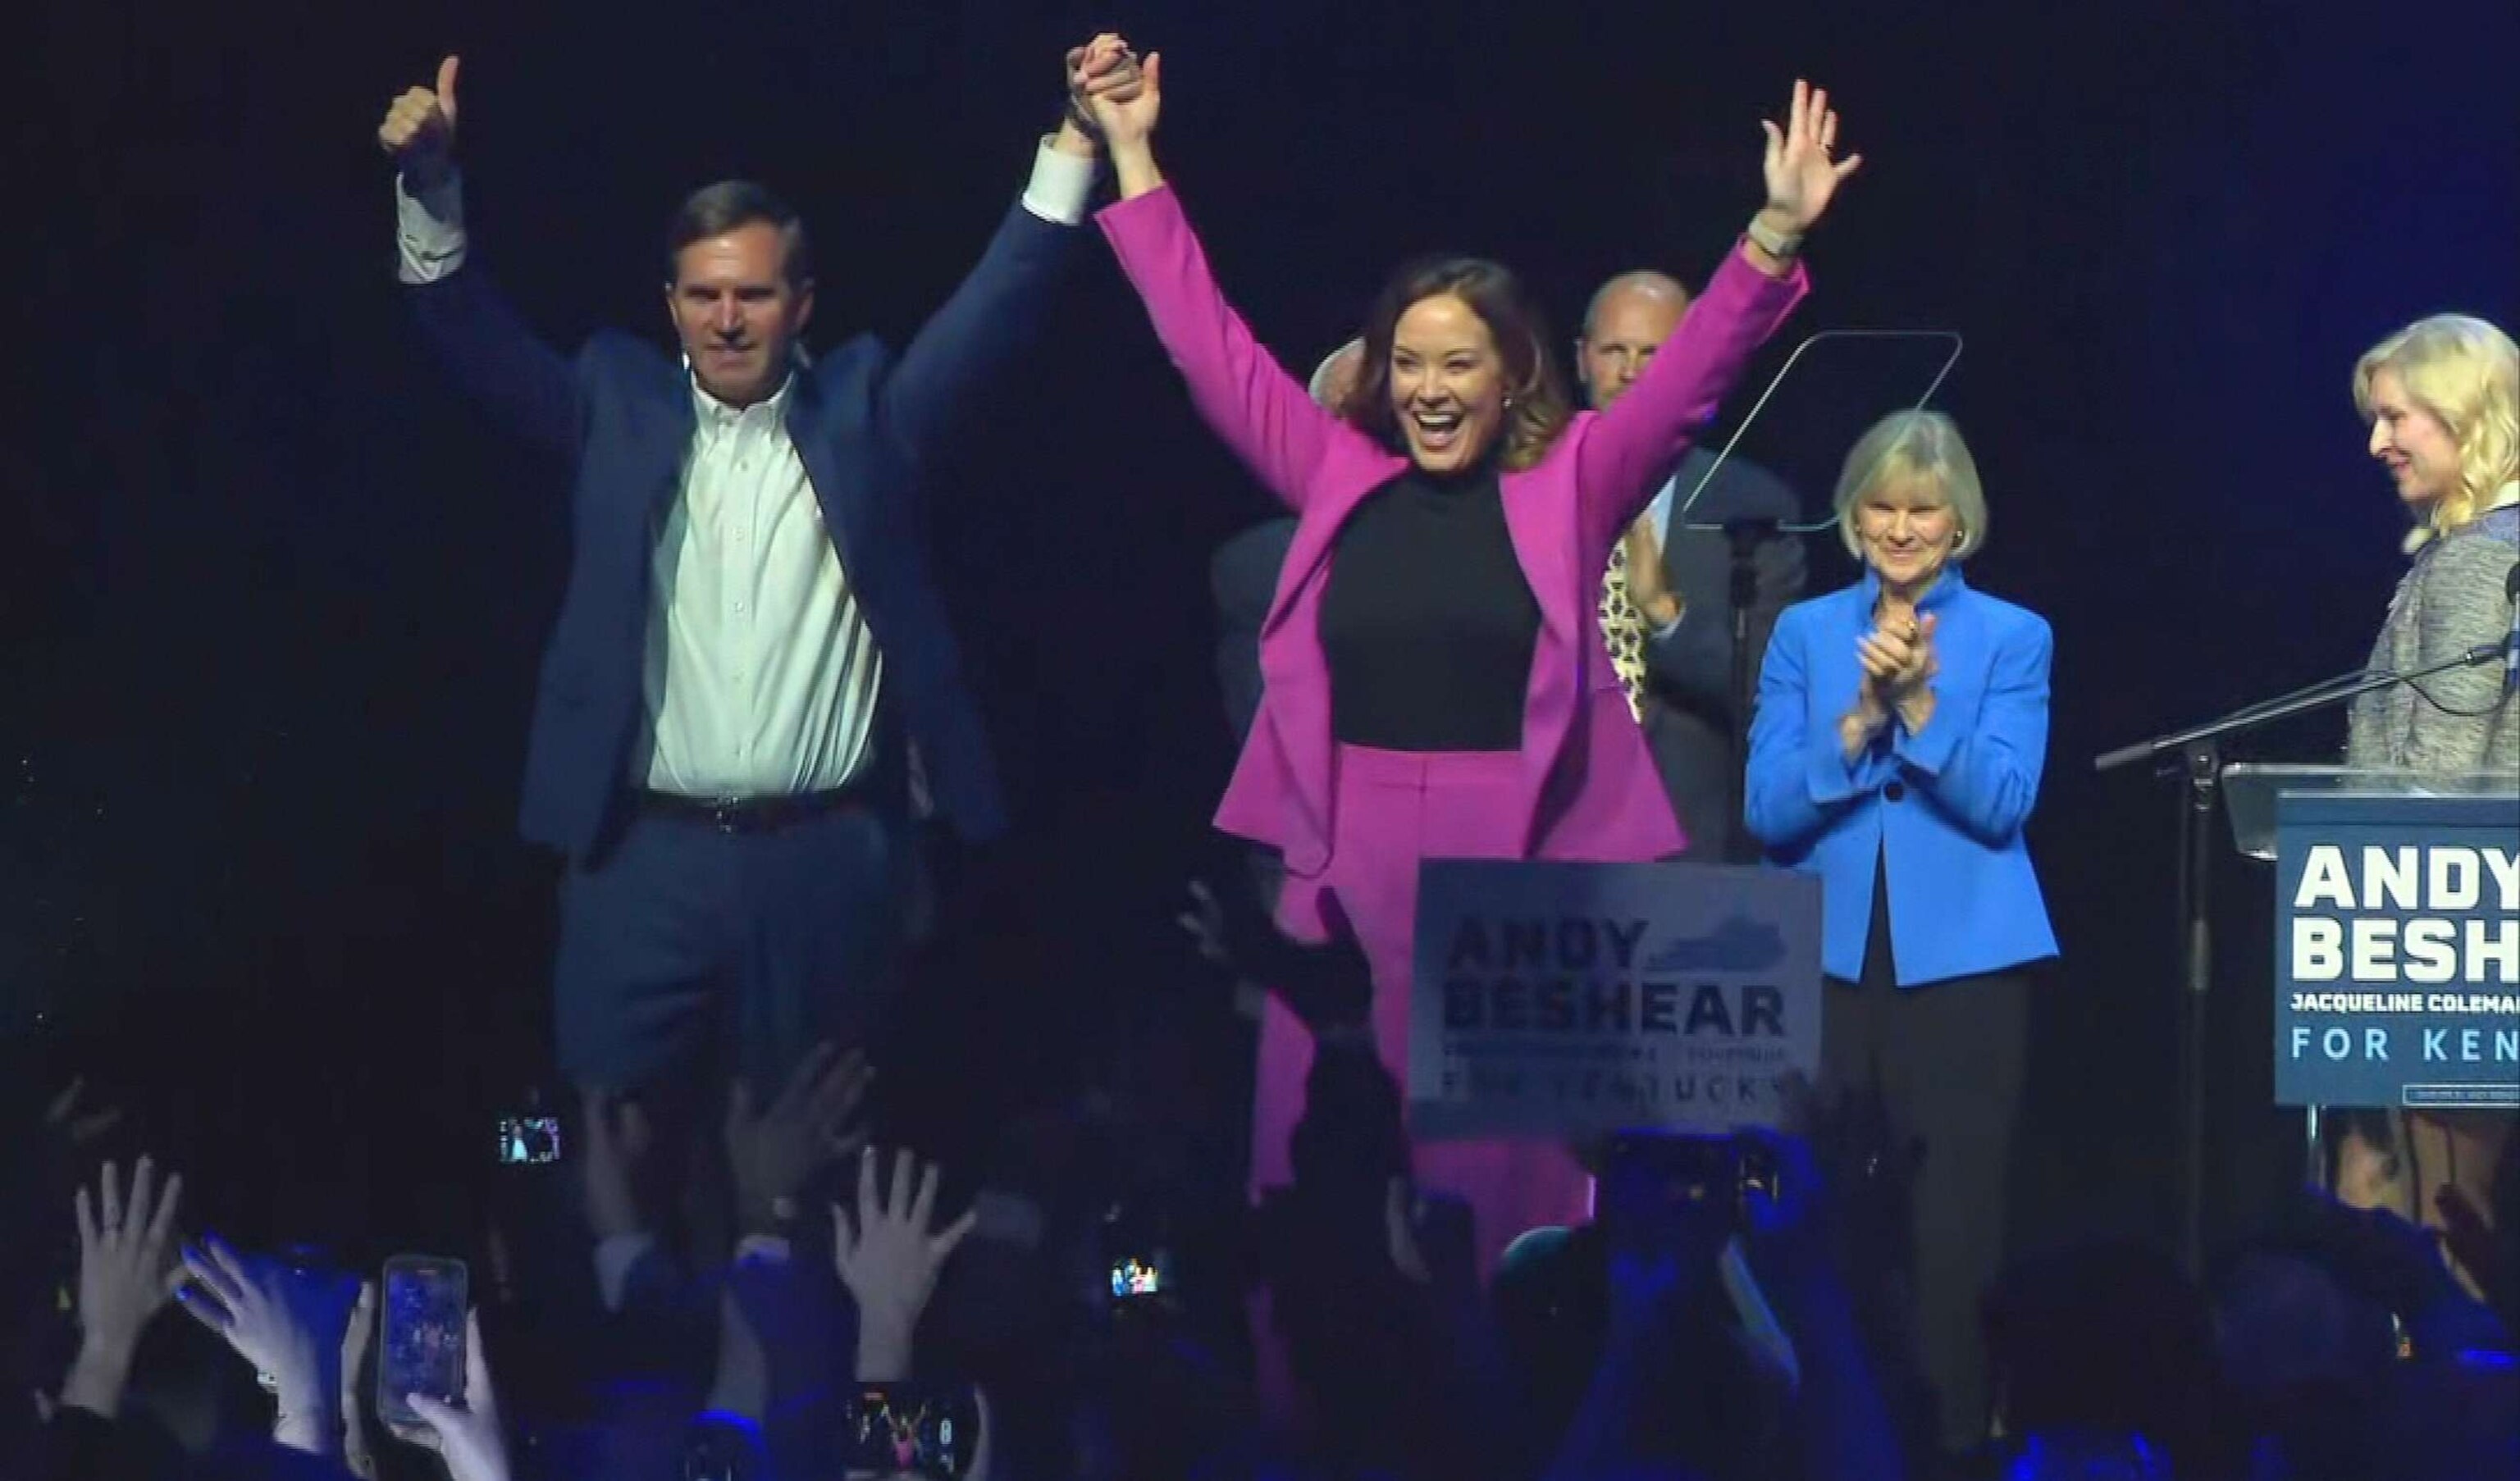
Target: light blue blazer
point(1944, 807)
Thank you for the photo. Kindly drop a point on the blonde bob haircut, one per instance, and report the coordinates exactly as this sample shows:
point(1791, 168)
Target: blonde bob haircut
point(2467, 374)
point(1914, 444)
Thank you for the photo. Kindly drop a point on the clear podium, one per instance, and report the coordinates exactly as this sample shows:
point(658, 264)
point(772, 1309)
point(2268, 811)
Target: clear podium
point(2397, 925)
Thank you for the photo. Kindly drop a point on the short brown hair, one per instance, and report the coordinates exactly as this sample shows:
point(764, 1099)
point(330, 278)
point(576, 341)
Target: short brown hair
point(1538, 412)
point(713, 210)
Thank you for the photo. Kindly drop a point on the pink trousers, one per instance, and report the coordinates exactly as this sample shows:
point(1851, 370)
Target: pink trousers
point(1391, 810)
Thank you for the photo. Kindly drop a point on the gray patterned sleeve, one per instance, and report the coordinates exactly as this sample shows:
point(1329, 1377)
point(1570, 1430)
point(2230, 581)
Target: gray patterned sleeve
point(2458, 603)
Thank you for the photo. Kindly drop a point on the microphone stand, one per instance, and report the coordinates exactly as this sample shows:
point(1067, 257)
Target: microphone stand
point(1745, 536)
point(2198, 755)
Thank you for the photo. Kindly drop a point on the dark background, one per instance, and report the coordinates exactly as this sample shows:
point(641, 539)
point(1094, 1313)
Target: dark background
point(273, 597)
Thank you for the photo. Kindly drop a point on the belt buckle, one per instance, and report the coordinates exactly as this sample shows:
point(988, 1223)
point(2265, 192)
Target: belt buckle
point(726, 816)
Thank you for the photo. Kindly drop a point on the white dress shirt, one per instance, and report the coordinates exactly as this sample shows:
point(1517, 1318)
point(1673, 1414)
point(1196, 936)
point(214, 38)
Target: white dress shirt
point(761, 675)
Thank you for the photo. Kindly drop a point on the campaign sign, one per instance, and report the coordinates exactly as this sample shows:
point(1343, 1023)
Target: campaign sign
point(1553, 1000)
point(2397, 951)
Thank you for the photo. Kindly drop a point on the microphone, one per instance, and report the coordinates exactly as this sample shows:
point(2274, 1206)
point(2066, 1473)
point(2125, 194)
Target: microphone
point(2511, 645)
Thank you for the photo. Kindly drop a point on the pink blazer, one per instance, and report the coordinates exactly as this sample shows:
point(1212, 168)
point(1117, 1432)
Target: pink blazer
point(1590, 788)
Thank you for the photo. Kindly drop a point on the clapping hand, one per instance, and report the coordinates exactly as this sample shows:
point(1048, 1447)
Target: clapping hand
point(288, 1322)
point(1801, 176)
point(814, 1123)
point(1899, 665)
point(419, 128)
point(1648, 586)
point(1899, 661)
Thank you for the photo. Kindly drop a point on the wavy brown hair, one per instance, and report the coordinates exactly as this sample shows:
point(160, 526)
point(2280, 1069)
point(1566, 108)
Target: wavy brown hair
point(1538, 410)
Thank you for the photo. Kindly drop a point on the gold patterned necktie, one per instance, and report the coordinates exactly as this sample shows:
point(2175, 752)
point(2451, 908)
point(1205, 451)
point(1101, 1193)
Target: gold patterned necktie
point(1623, 631)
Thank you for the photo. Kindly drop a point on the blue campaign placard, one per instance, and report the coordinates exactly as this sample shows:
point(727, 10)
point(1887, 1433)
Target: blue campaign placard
point(1557, 999)
point(2397, 951)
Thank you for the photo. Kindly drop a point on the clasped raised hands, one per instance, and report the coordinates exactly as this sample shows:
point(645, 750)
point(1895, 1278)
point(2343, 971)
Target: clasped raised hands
point(1118, 95)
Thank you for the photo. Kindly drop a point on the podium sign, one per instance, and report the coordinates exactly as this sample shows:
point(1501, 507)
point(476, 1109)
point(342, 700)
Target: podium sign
point(1558, 1000)
point(2397, 951)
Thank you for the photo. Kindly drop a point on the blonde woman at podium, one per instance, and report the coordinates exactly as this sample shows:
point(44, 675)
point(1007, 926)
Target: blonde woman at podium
point(2442, 397)
point(1896, 752)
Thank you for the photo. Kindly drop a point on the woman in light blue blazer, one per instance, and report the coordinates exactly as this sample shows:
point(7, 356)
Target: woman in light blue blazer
point(1896, 751)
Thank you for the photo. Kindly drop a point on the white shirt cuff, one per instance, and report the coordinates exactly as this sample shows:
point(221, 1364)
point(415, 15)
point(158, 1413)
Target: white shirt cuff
point(614, 1257)
point(1061, 185)
point(429, 229)
point(1663, 633)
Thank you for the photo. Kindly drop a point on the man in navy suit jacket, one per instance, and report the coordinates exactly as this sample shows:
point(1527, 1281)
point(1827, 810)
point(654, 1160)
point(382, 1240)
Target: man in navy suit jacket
point(752, 657)
point(1682, 588)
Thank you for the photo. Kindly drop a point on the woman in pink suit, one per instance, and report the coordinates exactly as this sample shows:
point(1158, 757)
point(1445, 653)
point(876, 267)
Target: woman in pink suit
point(1436, 680)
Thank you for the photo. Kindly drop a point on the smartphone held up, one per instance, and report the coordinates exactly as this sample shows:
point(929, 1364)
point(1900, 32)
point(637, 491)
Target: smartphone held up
point(420, 1341)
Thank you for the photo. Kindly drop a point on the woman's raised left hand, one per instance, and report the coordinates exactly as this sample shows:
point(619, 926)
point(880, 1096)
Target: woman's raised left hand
point(1802, 176)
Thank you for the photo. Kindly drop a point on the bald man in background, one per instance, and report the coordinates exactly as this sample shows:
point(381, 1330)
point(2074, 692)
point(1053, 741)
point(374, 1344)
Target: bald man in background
point(1680, 580)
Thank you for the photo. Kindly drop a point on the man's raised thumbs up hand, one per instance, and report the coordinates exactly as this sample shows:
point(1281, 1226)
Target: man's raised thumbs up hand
point(418, 129)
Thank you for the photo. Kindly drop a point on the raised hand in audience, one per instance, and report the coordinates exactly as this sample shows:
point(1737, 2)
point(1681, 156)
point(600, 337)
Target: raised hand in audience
point(2478, 1248)
point(72, 1126)
point(1844, 1426)
point(1328, 986)
point(289, 1324)
point(126, 1279)
point(889, 1255)
point(358, 1451)
point(816, 1121)
point(617, 1143)
point(1787, 1215)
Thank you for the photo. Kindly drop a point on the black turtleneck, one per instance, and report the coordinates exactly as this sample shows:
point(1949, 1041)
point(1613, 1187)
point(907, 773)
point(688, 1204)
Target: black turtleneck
point(1428, 624)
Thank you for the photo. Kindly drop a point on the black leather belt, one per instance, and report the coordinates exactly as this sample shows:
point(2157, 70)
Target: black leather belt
point(746, 815)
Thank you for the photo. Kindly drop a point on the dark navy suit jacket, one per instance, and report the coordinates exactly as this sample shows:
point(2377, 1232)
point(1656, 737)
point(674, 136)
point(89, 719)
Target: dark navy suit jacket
point(865, 425)
point(1688, 672)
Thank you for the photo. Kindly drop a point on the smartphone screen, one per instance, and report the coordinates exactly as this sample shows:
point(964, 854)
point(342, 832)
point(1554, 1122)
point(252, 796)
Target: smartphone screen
point(1137, 1255)
point(420, 1345)
point(528, 1141)
point(1138, 1275)
point(898, 1429)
